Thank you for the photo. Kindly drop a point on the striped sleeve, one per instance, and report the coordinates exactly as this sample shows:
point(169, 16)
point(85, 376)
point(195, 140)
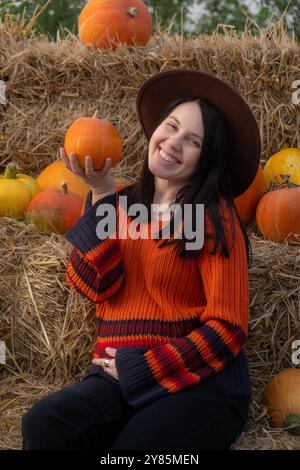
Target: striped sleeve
point(145, 376)
point(95, 268)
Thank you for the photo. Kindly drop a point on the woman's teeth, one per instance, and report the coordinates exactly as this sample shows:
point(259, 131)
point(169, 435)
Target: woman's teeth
point(167, 157)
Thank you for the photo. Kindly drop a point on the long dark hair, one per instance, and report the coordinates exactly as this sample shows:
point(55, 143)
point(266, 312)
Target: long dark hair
point(208, 185)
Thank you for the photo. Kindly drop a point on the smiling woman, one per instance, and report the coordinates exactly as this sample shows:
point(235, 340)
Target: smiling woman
point(174, 150)
point(169, 369)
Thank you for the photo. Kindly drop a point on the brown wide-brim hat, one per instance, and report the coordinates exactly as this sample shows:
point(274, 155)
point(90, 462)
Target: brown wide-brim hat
point(157, 92)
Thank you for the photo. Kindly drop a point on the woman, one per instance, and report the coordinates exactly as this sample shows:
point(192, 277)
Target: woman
point(169, 371)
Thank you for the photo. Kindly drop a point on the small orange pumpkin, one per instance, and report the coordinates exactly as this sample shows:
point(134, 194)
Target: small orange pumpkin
point(52, 176)
point(105, 23)
point(278, 214)
point(282, 398)
point(54, 210)
point(246, 203)
point(94, 137)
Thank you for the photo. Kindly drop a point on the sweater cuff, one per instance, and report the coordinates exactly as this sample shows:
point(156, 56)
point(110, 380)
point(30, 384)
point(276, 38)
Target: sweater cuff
point(88, 202)
point(83, 235)
point(138, 384)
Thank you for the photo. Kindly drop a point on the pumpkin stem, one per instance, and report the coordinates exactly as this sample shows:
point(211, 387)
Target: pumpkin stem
point(133, 11)
point(96, 114)
point(10, 172)
point(64, 187)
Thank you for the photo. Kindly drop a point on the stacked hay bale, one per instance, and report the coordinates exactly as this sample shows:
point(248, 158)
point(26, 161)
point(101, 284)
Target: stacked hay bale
point(49, 330)
point(48, 85)
point(274, 325)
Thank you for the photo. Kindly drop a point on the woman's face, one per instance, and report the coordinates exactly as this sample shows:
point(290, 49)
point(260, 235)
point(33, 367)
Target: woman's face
point(175, 145)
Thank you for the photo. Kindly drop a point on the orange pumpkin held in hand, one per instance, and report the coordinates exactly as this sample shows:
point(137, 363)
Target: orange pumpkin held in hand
point(105, 23)
point(94, 137)
point(54, 210)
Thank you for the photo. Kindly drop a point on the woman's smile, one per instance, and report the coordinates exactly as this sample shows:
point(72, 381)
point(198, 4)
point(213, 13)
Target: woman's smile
point(165, 159)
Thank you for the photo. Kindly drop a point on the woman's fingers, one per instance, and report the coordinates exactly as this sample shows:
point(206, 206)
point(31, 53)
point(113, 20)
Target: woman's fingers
point(71, 163)
point(89, 167)
point(107, 166)
point(89, 172)
point(75, 166)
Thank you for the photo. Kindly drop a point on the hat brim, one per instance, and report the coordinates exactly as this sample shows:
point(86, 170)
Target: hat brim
point(157, 93)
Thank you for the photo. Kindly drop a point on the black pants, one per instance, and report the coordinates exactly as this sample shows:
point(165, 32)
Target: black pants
point(92, 414)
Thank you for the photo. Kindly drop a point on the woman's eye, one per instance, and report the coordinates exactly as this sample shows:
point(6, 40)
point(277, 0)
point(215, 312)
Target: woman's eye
point(174, 127)
point(193, 141)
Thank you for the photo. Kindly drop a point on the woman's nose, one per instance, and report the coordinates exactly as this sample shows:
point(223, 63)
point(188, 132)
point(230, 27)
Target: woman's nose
point(174, 142)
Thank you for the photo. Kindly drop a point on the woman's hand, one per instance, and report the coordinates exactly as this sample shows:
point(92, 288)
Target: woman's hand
point(111, 370)
point(101, 182)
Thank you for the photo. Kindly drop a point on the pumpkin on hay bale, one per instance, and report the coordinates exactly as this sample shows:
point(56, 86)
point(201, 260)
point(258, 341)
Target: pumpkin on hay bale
point(284, 162)
point(247, 202)
point(56, 172)
point(278, 212)
point(282, 397)
point(52, 176)
point(105, 23)
point(16, 192)
point(54, 210)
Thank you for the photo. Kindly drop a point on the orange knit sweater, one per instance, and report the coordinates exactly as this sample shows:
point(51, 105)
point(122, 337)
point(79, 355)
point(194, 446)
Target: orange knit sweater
point(174, 321)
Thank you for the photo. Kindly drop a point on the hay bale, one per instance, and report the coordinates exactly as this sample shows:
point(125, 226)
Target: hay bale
point(51, 84)
point(274, 281)
point(46, 327)
point(49, 329)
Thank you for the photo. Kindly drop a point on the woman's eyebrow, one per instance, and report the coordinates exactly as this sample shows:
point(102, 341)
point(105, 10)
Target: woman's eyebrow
point(192, 133)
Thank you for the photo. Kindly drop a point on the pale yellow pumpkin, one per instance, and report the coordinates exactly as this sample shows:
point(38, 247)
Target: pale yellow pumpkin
point(16, 192)
point(285, 162)
point(30, 182)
